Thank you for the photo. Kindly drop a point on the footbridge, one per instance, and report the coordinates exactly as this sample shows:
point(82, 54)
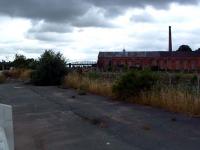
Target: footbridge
point(82, 64)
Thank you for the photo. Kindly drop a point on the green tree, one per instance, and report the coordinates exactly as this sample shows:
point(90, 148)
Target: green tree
point(50, 70)
point(32, 63)
point(20, 61)
point(198, 50)
point(184, 48)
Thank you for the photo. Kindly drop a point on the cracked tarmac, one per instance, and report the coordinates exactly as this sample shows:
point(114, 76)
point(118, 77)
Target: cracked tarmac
point(50, 118)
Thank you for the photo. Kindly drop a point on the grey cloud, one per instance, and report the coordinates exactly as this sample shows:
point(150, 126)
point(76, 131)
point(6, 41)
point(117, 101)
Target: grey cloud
point(50, 10)
point(6, 50)
point(13, 48)
point(149, 42)
point(188, 38)
point(70, 11)
point(42, 26)
point(115, 7)
point(94, 17)
point(48, 31)
point(31, 50)
point(142, 18)
point(47, 36)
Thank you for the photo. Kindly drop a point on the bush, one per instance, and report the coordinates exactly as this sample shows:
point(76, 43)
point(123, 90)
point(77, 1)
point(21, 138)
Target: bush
point(50, 70)
point(132, 83)
point(93, 75)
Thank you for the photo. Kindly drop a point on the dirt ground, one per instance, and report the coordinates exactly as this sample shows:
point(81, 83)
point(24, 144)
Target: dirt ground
point(51, 118)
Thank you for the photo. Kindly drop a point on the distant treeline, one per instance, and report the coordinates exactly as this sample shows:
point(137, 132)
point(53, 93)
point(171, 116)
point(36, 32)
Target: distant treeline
point(20, 61)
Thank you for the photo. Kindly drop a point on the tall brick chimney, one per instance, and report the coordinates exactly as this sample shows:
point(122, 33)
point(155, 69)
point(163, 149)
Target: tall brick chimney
point(170, 39)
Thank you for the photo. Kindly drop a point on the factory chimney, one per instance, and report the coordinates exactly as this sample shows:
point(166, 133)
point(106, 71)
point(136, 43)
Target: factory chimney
point(170, 39)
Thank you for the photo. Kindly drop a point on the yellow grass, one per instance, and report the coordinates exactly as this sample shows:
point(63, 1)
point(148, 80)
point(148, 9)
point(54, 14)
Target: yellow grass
point(96, 86)
point(170, 98)
point(2, 78)
point(25, 74)
point(22, 74)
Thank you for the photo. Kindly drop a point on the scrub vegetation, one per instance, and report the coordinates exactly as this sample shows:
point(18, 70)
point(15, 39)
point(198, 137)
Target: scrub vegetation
point(89, 82)
point(176, 92)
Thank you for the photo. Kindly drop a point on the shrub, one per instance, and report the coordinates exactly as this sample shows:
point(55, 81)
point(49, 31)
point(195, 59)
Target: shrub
point(93, 75)
point(50, 70)
point(132, 83)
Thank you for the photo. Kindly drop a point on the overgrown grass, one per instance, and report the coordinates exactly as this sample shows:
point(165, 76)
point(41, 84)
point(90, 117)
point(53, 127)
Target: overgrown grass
point(21, 74)
point(177, 96)
point(25, 75)
point(86, 83)
point(172, 98)
point(2, 78)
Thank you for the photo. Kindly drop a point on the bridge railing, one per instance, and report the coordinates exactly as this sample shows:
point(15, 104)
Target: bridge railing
point(6, 128)
point(82, 64)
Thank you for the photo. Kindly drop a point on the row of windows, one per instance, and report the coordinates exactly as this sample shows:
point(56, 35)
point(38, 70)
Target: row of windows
point(154, 62)
point(176, 64)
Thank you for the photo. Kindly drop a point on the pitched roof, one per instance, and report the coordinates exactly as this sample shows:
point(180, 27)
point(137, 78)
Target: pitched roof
point(150, 54)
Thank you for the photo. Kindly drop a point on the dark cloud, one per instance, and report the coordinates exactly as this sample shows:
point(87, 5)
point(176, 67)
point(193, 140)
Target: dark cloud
point(42, 26)
point(49, 10)
point(48, 31)
point(139, 3)
point(74, 11)
point(115, 7)
point(93, 18)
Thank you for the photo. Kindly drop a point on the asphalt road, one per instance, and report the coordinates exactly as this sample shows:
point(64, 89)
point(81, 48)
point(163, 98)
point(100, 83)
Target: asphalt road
point(50, 118)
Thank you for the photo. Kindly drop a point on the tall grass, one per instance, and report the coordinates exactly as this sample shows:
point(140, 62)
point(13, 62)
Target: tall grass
point(2, 78)
point(93, 85)
point(180, 97)
point(172, 98)
point(25, 74)
point(22, 74)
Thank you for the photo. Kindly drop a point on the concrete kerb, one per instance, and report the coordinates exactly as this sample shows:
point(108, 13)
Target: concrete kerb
point(6, 128)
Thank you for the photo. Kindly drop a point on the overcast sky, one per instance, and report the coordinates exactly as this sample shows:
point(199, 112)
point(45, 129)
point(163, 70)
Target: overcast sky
point(81, 28)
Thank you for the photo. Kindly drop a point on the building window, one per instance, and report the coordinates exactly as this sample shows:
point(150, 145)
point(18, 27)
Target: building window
point(178, 65)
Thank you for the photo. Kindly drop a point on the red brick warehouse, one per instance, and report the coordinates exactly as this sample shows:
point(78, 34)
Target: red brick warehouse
point(163, 60)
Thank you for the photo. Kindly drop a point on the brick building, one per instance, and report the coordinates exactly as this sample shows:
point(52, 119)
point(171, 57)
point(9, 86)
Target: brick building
point(163, 60)
point(187, 61)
